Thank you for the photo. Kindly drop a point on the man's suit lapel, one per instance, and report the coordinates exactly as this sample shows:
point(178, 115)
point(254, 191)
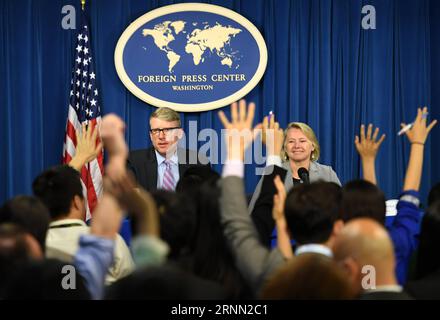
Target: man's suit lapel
point(151, 169)
point(183, 161)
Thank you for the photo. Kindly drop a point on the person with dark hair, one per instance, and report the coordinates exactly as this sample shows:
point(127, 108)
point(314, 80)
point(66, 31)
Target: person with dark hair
point(17, 248)
point(310, 276)
point(405, 226)
point(426, 284)
point(166, 282)
point(434, 194)
point(25, 274)
point(29, 213)
point(189, 185)
point(204, 172)
point(212, 257)
point(313, 219)
point(60, 190)
point(177, 224)
point(42, 280)
point(361, 198)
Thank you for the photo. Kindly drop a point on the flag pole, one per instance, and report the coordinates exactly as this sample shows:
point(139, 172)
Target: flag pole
point(83, 4)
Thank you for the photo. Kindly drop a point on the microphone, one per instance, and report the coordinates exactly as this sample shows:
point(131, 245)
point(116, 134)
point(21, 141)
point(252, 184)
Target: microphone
point(303, 174)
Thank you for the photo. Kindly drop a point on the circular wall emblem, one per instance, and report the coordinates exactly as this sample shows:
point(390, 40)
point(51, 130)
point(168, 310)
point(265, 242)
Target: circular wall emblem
point(191, 57)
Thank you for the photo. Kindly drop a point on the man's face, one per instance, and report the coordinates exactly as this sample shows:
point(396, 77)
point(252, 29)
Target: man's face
point(164, 141)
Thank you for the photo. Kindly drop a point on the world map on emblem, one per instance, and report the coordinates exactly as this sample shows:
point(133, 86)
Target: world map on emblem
point(191, 60)
point(214, 39)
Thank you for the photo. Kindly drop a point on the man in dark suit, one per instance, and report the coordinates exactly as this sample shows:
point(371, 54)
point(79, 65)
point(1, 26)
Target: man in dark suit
point(161, 166)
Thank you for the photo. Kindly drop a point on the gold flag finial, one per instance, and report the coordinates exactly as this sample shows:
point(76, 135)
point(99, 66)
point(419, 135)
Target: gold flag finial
point(83, 4)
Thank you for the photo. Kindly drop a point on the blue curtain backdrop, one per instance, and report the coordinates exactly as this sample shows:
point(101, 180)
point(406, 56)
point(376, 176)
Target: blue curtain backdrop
point(323, 69)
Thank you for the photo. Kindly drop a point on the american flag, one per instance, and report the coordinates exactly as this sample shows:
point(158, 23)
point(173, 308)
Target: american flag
point(84, 108)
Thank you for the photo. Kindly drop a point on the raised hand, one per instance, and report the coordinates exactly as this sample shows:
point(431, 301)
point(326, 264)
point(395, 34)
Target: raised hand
point(87, 147)
point(278, 200)
point(283, 238)
point(417, 135)
point(419, 131)
point(272, 136)
point(112, 134)
point(239, 132)
point(368, 146)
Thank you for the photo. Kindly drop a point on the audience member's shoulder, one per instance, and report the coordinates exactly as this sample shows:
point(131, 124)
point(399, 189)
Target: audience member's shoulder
point(164, 282)
point(44, 280)
point(385, 295)
point(425, 289)
point(140, 152)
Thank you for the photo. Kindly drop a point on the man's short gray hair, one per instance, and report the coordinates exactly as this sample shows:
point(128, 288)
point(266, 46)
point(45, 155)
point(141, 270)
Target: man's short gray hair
point(166, 114)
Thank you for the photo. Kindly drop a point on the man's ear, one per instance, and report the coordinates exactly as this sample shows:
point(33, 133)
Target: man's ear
point(34, 248)
point(77, 202)
point(337, 227)
point(352, 269)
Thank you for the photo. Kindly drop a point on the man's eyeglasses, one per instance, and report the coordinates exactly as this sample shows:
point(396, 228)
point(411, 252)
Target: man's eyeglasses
point(165, 131)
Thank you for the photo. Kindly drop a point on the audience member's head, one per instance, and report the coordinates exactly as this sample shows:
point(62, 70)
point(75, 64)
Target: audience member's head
point(212, 257)
point(312, 212)
point(428, 259)
point(193, 178)
point(362, 199)
point(366, 252)
point(177, 221)
point(29, 213)
point(17, 248)
point(202, 171)
point(189, 186)
point(434, 194)
point(309, 276)
point(59, 188)
point(164, 283)
point(44, 280)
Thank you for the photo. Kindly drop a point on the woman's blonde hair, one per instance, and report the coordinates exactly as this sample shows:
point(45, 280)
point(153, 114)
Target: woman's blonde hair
point(308, 132)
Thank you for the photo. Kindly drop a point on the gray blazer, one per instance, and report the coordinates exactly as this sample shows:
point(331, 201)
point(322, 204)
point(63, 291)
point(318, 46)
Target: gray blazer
point(255, 262)
point(317, 172)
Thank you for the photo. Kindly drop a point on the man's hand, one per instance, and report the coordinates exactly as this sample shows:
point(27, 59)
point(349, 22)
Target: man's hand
point(367, 146)
point(136, 201)
point(283, 238)
point(112, 134)
point(419, 132)
point(272, 136)
point(108, 214)
point(417, 135)
point(239, 132)
point(278, 201)
point(87, 147)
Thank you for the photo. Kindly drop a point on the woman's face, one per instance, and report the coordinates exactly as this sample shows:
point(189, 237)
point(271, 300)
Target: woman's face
point(297, 146)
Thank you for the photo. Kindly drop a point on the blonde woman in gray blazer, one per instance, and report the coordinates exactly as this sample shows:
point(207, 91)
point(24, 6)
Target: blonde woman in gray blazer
point(300, 150)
